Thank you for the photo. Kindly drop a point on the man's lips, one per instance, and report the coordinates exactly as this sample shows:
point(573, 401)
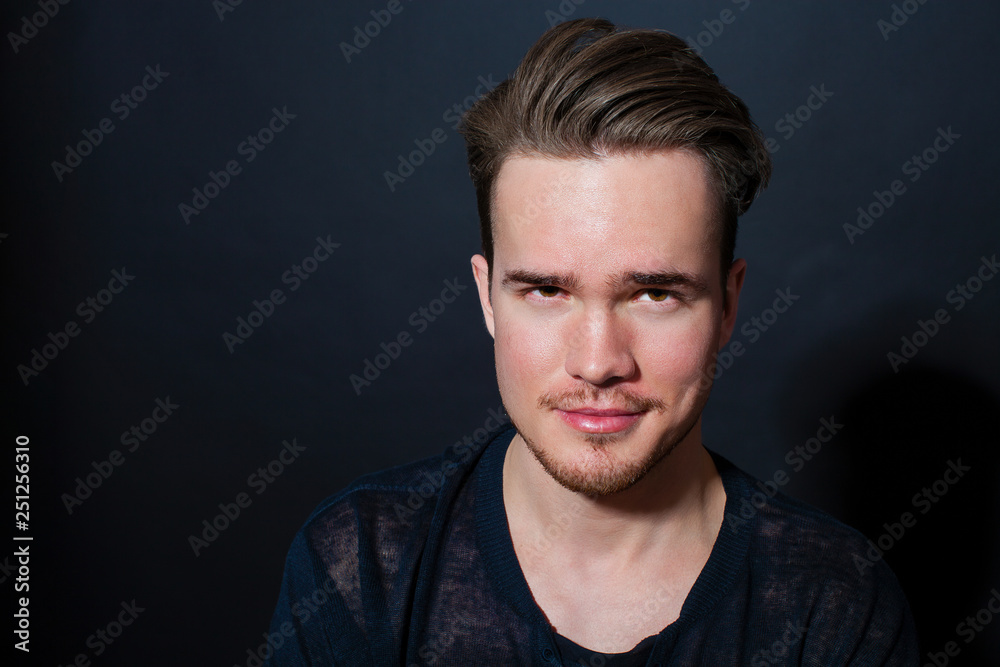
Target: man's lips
point(599, 420)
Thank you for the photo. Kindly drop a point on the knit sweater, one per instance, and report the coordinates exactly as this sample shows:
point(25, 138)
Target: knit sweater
point(415, 566)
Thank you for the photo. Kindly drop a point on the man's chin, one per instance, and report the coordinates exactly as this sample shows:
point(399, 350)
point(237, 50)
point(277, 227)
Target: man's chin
point(600, 464)
point(600, 440)
point(599, 484)
point(599, 470)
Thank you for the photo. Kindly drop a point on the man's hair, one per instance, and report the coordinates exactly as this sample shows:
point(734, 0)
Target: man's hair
point(589, 89)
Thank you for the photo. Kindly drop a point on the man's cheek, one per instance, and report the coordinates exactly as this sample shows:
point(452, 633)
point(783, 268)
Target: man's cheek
point(532, 347)
point(524, 364)
point(673, 354)
point(677, 367)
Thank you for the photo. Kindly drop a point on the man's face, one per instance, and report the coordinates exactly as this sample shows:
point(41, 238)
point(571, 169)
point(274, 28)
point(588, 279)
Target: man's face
point(606, 309)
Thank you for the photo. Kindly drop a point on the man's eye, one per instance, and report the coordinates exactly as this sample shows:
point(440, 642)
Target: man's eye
point(656, 294)
point(547, 291)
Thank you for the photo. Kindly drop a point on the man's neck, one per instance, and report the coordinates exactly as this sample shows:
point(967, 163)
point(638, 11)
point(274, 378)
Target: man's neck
point(591, 563)
point(679, 501)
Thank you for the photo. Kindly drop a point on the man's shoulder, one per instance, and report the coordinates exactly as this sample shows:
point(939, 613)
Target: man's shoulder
point(800, 540)
point(402, 498)
point(399, 494)
point(821, 574)
point(805, 552)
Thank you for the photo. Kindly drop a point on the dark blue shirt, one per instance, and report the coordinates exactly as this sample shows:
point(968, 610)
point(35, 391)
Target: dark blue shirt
point(415, 566)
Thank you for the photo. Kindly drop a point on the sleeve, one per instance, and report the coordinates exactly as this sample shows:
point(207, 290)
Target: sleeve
point(889, 637)
point(311, 625)
point(864, 623)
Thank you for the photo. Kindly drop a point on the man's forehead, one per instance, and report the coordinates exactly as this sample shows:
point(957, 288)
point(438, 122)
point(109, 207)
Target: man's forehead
point(659, 187)
point(555, 174)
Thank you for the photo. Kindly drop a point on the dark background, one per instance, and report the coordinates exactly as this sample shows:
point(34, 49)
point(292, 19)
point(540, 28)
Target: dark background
point(323, 176)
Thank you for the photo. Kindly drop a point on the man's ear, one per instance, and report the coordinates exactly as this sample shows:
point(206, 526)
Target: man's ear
point(481, 273)
point(734, 283)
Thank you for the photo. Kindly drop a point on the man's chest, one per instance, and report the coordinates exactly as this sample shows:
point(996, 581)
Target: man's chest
point(609, 607)
point(604, 617)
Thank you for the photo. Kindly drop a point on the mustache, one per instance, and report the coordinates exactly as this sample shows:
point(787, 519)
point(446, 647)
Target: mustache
point(618, 397)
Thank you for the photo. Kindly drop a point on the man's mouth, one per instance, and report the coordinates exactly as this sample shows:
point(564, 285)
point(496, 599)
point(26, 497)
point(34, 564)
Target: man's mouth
point(599, 420)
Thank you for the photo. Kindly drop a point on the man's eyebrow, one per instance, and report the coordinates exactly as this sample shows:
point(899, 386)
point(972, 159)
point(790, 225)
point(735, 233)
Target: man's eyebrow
point(679, 279)
point(523, 277)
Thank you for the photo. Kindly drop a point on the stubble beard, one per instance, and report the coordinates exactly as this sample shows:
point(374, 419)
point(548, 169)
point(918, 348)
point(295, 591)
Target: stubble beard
point(612, 474)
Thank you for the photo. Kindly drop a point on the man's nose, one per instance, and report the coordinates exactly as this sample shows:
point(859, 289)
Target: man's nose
point(598, 348)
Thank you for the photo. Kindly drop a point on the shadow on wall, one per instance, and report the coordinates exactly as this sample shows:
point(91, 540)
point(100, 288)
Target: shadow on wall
point(915, 468)
point(922, 454)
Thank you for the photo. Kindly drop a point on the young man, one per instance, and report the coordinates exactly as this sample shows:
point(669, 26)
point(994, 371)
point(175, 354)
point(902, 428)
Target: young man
point(610, 170)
